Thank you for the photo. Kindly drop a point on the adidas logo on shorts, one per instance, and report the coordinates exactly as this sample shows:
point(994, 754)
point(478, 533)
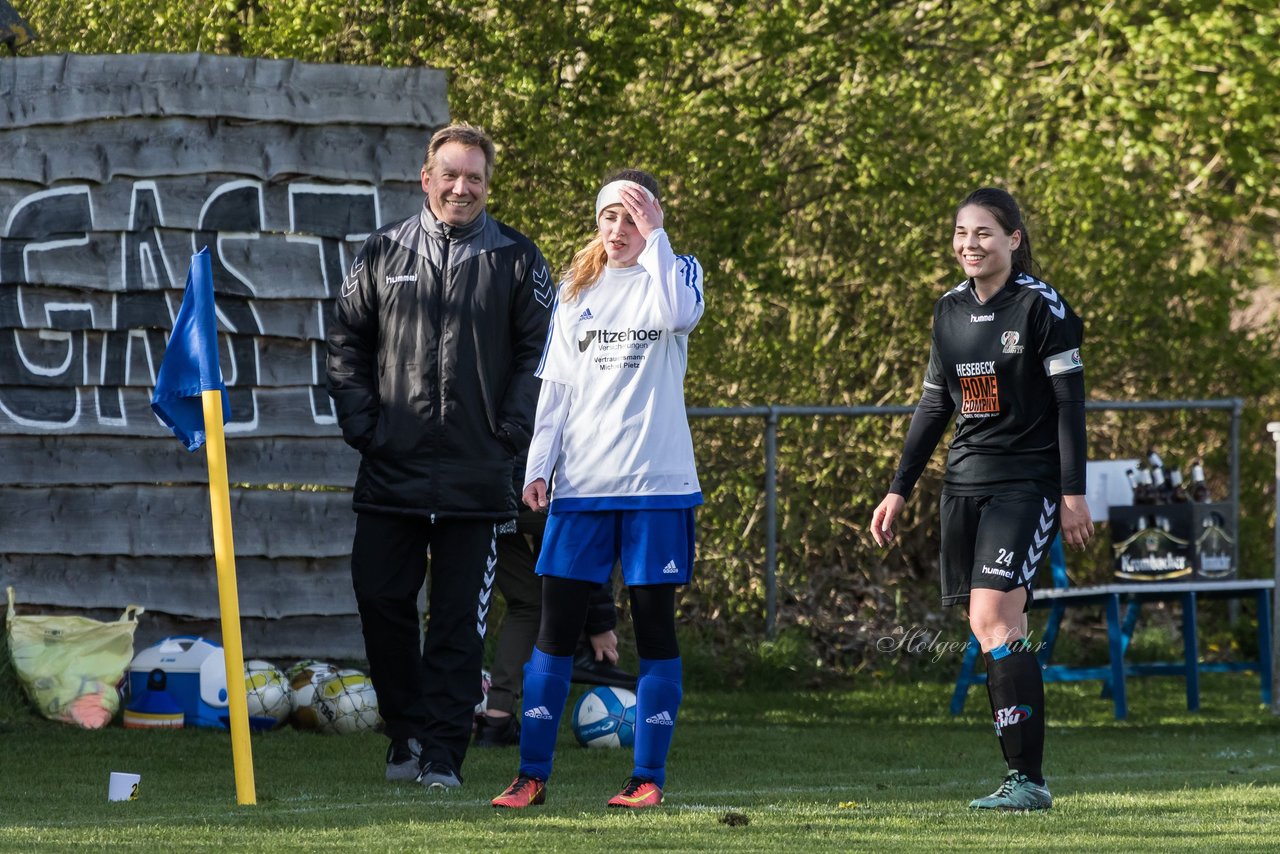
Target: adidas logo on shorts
point(540, 713)
point(661, 719)
point(670, 568)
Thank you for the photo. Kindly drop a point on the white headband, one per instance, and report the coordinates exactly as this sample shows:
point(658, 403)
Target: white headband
point(609, 194)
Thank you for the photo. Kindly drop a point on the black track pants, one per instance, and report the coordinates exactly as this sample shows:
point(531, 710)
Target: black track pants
point(428, 693)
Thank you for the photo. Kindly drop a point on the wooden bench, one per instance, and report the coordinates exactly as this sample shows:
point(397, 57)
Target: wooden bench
point(1120, 633)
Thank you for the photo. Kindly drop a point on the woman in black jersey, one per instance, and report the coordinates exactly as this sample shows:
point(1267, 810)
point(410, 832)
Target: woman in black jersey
point(1005, 358)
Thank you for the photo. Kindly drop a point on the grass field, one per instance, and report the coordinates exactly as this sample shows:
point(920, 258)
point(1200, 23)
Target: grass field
point(883, 768)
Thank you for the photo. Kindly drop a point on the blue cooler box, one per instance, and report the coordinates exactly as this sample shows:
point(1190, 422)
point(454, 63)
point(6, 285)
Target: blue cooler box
point(195, 675)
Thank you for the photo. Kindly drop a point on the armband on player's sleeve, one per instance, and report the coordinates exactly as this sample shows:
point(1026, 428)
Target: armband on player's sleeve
point(1064, 362)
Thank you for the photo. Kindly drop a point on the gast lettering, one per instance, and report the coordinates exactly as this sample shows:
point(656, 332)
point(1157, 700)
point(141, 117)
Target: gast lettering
point(92, 277)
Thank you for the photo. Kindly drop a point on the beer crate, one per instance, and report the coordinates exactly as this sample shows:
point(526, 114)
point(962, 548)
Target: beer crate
point(1167, 542)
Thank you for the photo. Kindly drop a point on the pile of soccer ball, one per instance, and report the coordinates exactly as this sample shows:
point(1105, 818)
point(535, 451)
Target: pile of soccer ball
point(311, 695)
point(315, 695)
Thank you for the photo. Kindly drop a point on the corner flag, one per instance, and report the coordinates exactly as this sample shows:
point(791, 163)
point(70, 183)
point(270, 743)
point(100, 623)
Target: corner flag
point(192, 399)
point(190, 366)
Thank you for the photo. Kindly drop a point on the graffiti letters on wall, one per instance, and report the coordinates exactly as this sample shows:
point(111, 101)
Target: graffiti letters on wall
point(119, 168)
point(92, 279)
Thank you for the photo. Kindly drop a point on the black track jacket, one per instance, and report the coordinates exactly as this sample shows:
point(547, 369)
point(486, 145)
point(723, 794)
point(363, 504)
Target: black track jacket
point(434, 341)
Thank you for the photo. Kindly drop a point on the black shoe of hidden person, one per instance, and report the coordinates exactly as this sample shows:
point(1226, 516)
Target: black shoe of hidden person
point(588, 671)
point(497, 732)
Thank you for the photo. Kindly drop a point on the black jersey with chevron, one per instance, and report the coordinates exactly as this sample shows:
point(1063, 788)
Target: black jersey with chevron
point(995, 361)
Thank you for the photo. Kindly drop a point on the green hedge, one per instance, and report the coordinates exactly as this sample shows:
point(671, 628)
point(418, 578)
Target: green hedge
point(812, 153)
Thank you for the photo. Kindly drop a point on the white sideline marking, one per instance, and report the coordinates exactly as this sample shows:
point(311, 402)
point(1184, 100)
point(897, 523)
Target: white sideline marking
point(881, 799)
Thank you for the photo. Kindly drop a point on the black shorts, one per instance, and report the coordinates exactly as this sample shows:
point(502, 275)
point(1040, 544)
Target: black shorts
point(996, 541)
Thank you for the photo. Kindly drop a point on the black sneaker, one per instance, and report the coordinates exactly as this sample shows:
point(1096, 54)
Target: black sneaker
point(402, 759)
point(588, 671)
point(497, 732)
point(439, 777)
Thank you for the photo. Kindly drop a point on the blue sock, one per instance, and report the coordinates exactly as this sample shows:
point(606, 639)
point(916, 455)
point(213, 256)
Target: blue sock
point(658, 693)
point(546, 687)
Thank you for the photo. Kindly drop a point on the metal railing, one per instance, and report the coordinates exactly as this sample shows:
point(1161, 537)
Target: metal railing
point(1274, 429)
point(773, 414)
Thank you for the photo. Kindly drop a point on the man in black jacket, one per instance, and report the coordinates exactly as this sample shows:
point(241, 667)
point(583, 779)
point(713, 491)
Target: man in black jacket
point(431, 356)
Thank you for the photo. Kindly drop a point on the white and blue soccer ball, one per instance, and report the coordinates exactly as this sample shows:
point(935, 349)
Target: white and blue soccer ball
point(605, 717)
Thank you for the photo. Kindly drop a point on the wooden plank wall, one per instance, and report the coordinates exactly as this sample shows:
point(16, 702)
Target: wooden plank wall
point(116, 170)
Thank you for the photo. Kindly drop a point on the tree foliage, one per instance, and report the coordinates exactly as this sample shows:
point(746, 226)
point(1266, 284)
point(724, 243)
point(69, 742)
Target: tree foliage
point(812, 152)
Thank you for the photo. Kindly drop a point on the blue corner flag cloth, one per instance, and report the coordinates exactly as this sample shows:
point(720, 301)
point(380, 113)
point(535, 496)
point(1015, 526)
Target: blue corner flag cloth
point(190, 364)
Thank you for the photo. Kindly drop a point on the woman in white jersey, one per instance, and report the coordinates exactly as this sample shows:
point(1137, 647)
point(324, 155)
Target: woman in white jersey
point(612, 460)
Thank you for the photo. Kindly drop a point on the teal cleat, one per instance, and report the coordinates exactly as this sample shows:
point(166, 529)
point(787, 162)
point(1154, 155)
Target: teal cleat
point(1016, 794)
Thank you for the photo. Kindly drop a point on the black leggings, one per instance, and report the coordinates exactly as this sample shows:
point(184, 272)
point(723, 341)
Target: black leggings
point(564, 611)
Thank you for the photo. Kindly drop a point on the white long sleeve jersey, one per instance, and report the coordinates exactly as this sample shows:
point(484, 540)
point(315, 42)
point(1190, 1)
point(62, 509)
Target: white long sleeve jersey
point(611, 431)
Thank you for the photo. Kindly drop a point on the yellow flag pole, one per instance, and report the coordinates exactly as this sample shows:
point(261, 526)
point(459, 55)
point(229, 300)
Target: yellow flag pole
point(228, 599)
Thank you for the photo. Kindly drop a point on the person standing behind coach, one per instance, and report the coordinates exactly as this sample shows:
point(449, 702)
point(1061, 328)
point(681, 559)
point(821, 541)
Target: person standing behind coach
point(435, 338)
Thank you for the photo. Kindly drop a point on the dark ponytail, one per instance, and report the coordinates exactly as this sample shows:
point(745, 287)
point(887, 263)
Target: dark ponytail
point(1005, 209)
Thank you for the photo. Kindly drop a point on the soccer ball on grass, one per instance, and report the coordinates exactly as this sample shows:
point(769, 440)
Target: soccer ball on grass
point(346, 703)
point(605, 717)
point(303, 678)
point(267, 694)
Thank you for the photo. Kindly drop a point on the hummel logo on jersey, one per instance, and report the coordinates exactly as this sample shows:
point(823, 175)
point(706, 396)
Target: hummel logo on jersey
point(540, 713)
point(1051, 296)
point(1039, 541)
point(395, 280)
point(586, 315)
point(982, 318)
point(661, 719)
point(670, 568)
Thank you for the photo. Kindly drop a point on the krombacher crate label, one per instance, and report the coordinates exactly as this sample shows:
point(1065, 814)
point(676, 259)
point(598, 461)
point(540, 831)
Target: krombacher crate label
point(1166, 542)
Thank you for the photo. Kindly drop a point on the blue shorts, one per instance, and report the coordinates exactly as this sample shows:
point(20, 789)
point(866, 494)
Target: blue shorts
point(654, 546)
